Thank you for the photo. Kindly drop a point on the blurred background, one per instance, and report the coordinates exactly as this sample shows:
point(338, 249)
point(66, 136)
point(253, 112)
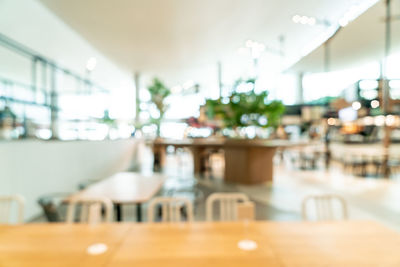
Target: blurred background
point(87, 86)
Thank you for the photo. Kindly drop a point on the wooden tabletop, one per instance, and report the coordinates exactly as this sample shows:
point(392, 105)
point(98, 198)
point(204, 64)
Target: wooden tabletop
point(305, 244)
point(125, 188)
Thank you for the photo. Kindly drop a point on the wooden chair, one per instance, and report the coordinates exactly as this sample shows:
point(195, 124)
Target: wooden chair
point(91, 210)
point(171, 208)
point(6, 203)
point(228, 205)
point(324, 208)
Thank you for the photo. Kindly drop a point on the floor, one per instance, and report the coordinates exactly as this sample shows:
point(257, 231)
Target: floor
point(367, 198)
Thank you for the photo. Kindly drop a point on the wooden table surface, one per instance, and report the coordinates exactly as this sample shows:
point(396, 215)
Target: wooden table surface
point(201, 244)
point(125, 188)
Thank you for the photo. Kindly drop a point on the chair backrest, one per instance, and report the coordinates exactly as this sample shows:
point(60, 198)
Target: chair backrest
point(171, 208)
point(227, 205)
point(6, 203)
point(324, 208)
point(91, 210)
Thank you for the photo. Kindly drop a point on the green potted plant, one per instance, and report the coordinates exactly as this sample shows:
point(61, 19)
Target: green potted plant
point(242, 109)
point(159, 92)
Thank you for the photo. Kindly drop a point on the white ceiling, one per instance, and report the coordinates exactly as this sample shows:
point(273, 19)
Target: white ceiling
point(184, 39)
point(361, 42)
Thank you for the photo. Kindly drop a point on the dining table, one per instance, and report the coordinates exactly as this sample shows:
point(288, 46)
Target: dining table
point(124, 188)
point(244, 243)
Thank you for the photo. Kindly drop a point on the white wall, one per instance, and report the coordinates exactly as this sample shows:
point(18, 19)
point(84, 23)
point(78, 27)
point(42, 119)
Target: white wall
point(33, 25)
point(33, 168)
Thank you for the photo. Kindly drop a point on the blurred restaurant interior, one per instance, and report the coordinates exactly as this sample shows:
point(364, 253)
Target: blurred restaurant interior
point(221, 133)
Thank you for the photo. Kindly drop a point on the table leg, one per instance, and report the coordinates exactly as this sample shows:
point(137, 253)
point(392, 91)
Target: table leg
point(139, 212)
point(198, 160)
point(118, 209)
point(159, 157)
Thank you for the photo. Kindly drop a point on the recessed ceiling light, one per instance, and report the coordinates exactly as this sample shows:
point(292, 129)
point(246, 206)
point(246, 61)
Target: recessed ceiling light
point(312, 21)
point(91, 64)
point(254, 47)
point(305, 20)
point(296, 18)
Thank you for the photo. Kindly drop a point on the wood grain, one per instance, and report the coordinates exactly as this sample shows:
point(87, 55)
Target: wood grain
point(202, 244)
point(57, 244)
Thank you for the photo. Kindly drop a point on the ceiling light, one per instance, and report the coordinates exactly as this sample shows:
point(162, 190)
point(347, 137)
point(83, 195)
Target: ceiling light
point(296, 18)
point(256, 48)
point(91, 64)
point(312, 21)
point(304, 20)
